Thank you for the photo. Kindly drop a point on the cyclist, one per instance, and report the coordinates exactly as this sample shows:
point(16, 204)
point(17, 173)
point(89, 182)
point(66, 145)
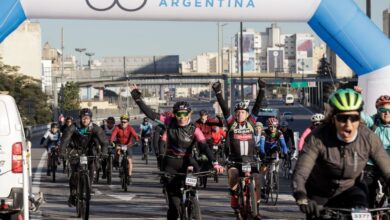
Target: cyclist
point(108, 127)
point(52, 138)
point(240, 140)
point(316, 120)
point(380, 125)
point(329, 168)
point(85, 136)
point(288, 135)
point(205, 124)
point(68, 122)
point(123, 134)
point(145, 130)
point(180, 137)
point(271, 139)
point(217, 135)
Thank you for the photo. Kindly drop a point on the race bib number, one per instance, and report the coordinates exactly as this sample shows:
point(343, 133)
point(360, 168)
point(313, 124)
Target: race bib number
point(215, 147)
point(83, 160)
point(124, 147)
point(361, 215)
point(191, 181)
point(246, 168)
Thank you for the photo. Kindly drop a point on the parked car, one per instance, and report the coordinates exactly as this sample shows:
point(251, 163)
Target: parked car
point(289, 99)
point(288, 116)
point(12, 142)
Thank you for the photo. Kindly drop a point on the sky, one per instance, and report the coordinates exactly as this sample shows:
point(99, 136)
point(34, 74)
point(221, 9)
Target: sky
point(153, 38)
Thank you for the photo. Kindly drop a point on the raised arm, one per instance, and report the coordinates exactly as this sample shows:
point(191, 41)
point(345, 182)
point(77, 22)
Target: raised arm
point(259, 98)
point(218, 93)
point(137, 96)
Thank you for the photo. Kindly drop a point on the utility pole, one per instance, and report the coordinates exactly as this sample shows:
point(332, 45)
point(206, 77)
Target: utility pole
point(218, 55)
point(127, 85)
point(368, 8)
point(62, 70)
point(242, 63)
point(89, 58)
point(80, 50)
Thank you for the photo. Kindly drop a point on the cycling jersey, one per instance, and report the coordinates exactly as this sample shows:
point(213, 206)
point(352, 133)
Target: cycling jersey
point(382, 130)
point(124, 135)
point(218, 136)
point(289, 138)
point(206, 126)
point(146, 129)
point(52, 139)
point(270, 141)
point(108, 131)
point(327, 166)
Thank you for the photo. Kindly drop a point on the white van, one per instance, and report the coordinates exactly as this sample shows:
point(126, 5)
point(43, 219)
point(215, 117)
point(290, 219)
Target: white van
point(12, 142)
point(289, 99)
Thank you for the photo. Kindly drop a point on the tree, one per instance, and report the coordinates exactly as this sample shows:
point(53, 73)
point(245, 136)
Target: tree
point(31, 101)
point(71, 98)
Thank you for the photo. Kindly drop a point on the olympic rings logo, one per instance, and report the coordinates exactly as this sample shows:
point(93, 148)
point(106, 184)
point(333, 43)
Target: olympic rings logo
point(115, 2)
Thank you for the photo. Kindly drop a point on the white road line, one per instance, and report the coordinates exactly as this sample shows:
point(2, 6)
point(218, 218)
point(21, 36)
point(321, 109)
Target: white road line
point(308, 110)
point(38, 173)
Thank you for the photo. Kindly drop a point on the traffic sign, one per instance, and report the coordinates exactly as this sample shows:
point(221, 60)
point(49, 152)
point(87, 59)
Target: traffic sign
point(299, 84)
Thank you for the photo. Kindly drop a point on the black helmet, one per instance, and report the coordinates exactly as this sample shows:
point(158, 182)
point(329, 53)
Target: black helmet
point(203, 112)
point(241, 106)
point(54, 125)
point(146, 119)
point(85, 112)
point(111, 119)
point(69, 118)
point(180, 106)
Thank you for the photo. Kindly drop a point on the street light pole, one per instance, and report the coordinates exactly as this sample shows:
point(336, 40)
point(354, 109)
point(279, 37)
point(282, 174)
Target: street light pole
point(217, 62)
point(89, 58)
point(242, 62)
point(81, 50)
point(222, 25)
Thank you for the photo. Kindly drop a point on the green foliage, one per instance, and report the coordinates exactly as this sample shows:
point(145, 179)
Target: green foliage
point(71, 98)
point(30, 99)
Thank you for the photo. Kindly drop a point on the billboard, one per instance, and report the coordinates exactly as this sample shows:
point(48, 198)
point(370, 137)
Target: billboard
point(304, 55)
point(248, 41)
point(275, 59)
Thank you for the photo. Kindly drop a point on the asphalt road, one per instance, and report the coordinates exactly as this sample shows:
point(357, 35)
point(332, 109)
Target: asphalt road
point(144, 199)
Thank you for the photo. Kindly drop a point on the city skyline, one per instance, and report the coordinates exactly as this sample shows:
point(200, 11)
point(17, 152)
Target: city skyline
point(148, 38)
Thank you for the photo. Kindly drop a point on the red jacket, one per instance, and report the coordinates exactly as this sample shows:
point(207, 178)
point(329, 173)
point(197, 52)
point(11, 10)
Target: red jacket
point(206, 127)
point(217, 136)
point(123, 136)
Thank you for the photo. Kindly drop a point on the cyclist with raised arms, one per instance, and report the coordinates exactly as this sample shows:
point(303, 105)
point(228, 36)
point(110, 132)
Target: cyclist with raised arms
point(240, 140)
point(85, 136)
point(180, 137)
point(329, 168)
point(316, 120)
point(122, 135)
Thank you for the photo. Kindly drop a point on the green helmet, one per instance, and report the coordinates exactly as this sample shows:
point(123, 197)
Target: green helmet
point(344, 100)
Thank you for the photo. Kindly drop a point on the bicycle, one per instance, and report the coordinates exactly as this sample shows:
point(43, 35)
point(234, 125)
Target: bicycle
point(54, 155)
point(109, 164)
point(83, 189)
point(190, 206)
point(219, 155)
point(123, 167)
point(272, 180)
point(145, 148)
point(246, 190)
point(286, 166)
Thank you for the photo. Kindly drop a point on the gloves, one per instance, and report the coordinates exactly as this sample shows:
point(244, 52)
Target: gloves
point(217, 87)
point(136, 94)
point(261, 83)
point(218, 167)
point(306, 205)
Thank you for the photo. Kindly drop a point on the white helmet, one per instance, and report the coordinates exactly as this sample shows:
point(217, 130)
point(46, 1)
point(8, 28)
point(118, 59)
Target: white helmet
point(318, 117)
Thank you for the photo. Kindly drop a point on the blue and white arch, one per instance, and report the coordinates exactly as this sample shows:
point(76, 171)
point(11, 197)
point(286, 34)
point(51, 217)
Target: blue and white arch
point(340, 23)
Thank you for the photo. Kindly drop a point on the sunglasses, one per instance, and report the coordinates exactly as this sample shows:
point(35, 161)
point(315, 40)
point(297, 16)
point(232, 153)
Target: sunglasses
point(182, 114)
point(124, 122)
point(345, 118)
point(272, 126)
point(384, 110)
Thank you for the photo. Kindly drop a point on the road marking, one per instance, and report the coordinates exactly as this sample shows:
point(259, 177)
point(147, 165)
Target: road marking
point(121, 196)
point(38, 173)
point(308, 110)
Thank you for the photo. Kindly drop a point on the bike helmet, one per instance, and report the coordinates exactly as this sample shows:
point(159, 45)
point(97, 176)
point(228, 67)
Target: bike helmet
point(284, 124)
point(382, 100)
point(111, 119)
point(259, 124)
point(241, 106)
point(146, 119)
point(181, 106)
point(272, 121)
point(85, 112)
point(69, 118)
point(125, 117)
point(344, 100)
point(203, 112)
point(318, 117)
point(54, 125)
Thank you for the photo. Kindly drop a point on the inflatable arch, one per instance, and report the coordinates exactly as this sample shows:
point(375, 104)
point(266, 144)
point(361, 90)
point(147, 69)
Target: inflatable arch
point(341, 24)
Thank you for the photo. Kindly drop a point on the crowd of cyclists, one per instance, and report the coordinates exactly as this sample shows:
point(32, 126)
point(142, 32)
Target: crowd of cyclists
point(343, 157)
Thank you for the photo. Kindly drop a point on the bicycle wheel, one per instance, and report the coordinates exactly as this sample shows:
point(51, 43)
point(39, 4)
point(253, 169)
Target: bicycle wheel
point(268, 184)
point(146, 154)
point(97, 169)
point(109, 170)
point(252, 203)
point(84, 196)
point(63, 165)
point(53, 167)
point(125, 173)
point(241, 200)
point(274, 193)
point(193, 209)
